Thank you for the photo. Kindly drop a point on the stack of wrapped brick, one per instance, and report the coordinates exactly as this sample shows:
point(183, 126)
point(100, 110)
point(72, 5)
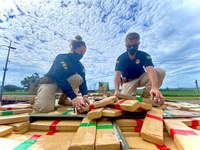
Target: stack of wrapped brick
point(184, 106)
point(14, 118)
point(150, 132)
point(37, 140)
point(130, 127)
point(10, 99)
point(114, 107)
point(37, 135)
point(98, 135)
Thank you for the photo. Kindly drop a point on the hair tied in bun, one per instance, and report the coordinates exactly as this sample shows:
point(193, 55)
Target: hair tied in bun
point(78, 38)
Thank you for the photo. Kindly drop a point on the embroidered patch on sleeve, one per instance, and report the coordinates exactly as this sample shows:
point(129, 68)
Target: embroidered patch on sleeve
point(148, 57)
point(64, 65)
point(117, 62)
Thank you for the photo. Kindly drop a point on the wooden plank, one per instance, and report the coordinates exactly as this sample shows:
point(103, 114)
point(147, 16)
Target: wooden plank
point(152, 128)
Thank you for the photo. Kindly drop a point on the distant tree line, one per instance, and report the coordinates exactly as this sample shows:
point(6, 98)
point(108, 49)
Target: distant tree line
point(29, 83)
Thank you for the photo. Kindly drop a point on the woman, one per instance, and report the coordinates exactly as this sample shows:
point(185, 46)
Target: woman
point(67, 73)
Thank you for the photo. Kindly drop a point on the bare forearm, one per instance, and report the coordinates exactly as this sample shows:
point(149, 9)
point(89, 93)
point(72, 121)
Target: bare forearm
point(117, 81)
point(153, 77)
point(117, 84)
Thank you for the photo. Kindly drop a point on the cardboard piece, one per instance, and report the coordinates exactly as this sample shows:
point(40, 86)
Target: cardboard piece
point(14, 118)
point(105, 136)
point(152, 128)
point(111, 112)
point(101, 103)
point(55, 125)
point(5, 130)
point(15, 111)
point(95, 113)
point(84, 139)
point(184, 137)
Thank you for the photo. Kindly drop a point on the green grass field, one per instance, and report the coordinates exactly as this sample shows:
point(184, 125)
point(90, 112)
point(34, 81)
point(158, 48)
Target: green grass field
point(168, 94)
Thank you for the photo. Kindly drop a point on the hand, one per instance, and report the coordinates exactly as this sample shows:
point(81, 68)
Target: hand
point(86, 100)
point(78, 103)
point(116, 93)
point(157, 96)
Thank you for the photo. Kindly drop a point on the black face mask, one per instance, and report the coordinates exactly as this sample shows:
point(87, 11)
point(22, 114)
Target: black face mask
point(132, 48)
point(77, 56)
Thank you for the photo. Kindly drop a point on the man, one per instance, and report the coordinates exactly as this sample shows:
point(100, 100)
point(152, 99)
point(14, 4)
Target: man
point(137, 70)
point(68, 74)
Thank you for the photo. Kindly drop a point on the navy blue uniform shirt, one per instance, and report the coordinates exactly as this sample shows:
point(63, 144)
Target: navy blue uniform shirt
point(63, 67)
point(133, 69)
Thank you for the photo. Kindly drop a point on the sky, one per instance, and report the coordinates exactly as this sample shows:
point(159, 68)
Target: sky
point(42, 29)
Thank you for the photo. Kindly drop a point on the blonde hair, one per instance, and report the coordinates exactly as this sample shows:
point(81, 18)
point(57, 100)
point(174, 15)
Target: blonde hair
point(77, 42)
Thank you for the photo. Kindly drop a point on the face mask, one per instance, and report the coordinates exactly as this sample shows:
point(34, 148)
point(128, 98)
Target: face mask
point(77, 56)
point(132, 48)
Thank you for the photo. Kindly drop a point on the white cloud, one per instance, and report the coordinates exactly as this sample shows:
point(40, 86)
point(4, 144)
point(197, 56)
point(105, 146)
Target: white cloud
point(169, 32)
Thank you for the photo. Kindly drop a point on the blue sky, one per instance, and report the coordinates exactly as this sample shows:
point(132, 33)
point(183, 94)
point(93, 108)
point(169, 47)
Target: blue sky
point(41, 29)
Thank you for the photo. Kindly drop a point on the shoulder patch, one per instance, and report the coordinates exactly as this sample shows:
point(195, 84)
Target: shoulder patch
point(117, 62)
point(64, 65)
point(148, 57)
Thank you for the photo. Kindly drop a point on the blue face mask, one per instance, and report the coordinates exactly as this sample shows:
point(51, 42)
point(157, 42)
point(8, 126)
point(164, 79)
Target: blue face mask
point(77, 56)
